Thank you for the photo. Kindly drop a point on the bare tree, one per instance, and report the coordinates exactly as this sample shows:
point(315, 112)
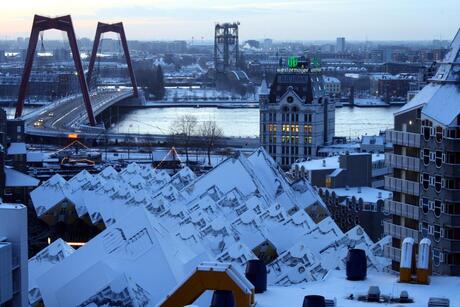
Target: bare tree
point(210, 133)
point(183, 128)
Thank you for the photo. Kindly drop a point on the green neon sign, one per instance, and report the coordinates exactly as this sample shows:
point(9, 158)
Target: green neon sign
point(315, 62)
point(293, 62)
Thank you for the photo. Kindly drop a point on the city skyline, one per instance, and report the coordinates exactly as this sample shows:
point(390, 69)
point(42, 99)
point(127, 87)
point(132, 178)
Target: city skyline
point(305, 20)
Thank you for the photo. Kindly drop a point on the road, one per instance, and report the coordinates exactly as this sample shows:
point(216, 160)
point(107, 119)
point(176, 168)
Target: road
point(62, 115)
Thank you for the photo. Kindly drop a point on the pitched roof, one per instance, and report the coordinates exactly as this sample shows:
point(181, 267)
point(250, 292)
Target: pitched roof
point(15, 178)
point(439, 99)
point(17, 149)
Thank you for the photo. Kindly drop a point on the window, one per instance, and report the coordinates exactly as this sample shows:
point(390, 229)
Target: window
point(439, 134)
point(295, 128)
point(426, 129)
point(438, 257)
point(425, 181)
point(426, 156)
point(438, 208)
point(432, 156)
point(437, 183)
point(307, 129)
point(425, 205)
point(437, 233)
point(438, 158)
point(423, 228)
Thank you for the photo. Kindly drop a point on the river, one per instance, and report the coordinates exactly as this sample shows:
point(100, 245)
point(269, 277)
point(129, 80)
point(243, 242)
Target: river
point(349, 122)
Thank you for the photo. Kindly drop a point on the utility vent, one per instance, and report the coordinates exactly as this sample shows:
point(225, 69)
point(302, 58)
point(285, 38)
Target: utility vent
point(438, 302)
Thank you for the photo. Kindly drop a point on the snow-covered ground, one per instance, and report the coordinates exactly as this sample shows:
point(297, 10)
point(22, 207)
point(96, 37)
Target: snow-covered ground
point(335, 286)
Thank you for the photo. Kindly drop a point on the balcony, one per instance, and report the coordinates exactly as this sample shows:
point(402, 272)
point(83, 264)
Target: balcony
point(451, 144)
point(402, 185)
point(403, 138)
point(392, 252)
point(403, 162)
point(451, 169)
point(399, 232)
point(452, 194)
point(402, 209)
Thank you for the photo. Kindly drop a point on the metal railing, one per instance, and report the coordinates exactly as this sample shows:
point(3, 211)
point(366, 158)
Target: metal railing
point(402, 185)
point(392, 253)
point(401, 209)
point(399, 232)
point(403, 138)
point(402, 162)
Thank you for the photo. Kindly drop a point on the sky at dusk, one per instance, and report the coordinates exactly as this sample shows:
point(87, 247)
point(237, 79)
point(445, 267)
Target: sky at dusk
point(281, 20)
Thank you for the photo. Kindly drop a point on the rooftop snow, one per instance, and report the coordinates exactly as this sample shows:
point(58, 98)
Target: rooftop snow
point(331, 163)
point(15, 178)
point(336, 287)
point(159, 225)
point(367, 194)
point(439, 99)
point(17, 149)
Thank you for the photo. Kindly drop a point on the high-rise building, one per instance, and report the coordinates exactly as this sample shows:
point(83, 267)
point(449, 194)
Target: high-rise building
point(296, 116)
point(13, 255)
point(340, 45)
point(426, 169)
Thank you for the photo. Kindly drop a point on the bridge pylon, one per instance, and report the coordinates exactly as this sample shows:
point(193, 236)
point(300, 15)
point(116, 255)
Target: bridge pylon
point(116, 28)
point(63, 23)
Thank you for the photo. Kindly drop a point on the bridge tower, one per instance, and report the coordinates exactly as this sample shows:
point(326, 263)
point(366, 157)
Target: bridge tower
point(226, 48)
point(116, 28)
point(63, 23)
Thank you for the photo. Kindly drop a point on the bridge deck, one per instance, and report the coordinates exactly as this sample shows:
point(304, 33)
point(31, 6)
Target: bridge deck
point(68, 113)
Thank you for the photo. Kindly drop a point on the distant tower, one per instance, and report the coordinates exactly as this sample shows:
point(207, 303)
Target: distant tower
point(226, 51)
point(340, 45)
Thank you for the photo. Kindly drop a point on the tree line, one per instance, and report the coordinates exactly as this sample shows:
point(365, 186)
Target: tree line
point(151, 79)
point(187, 133)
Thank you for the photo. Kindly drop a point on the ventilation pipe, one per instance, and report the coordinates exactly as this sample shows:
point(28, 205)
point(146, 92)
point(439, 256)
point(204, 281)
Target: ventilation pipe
point(407, 255)
point(424, 261)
